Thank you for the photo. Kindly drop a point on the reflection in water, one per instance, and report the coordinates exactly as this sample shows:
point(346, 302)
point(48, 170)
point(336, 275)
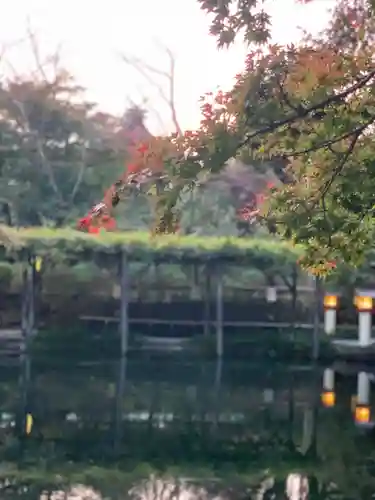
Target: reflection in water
point(297, 487)
point(192, 429)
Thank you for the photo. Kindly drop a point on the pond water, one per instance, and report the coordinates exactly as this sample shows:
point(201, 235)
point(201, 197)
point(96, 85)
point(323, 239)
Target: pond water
point(159, 428)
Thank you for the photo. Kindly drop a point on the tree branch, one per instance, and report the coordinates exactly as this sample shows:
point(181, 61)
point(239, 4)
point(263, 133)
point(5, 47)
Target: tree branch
point(81, 172)
point(36, 53)
point(145, 70)
point(38, 144)
point(51, 84)
point(340, 166)
point(304, 112)
point(330, 142)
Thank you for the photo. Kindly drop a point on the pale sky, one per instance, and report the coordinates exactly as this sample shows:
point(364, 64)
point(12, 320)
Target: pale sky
point(93, 34)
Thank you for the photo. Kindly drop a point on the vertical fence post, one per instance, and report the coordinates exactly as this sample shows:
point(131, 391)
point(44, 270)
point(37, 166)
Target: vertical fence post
point(207, 299)
point(219, 313)
point(24, 302)
point(28, 301)
point(316, 317)
point(124, 303)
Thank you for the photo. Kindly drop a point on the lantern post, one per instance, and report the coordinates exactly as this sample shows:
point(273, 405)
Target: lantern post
point(271, 294)
point(328, 396)
point(362, 412)
point(364, 304)
point(330, 302)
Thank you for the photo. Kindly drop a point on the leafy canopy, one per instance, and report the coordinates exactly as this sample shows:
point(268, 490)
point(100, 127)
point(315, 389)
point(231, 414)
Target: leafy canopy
point(56, 151)
point(311, 106)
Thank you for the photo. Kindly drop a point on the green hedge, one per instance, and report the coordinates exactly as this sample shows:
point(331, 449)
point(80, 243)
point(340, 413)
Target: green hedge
point(142, 246)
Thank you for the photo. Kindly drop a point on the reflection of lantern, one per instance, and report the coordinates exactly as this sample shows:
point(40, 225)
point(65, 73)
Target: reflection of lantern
point(328, 399)
point(328, 395)
point(268, 396)
point(38, 264)
point(364, 307)
point(116, 291)
point(362, 415)
point(28, 423)
point(330, 307)
point(271, 294)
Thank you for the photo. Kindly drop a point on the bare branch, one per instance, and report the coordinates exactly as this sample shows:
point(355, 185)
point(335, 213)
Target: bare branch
point(172, 100)
point(35, 51)
point(146, 71)
point(81, 172)
point(151, 109)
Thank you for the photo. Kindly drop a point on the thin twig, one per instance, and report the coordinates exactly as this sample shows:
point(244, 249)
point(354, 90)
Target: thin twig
point(145, 70)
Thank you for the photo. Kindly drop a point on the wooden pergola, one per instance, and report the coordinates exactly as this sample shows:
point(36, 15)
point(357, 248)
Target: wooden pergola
point(117, 250)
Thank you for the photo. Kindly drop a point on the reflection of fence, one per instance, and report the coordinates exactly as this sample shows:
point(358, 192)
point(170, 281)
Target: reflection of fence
point(166, 412)
point(161, 408)
point(106, 320)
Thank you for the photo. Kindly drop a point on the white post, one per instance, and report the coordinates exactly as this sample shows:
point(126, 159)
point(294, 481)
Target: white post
point(268, 396)
point(271, 294)
point(363, 389)
point(330, 321)
point(364, 304)
point(329, 380)
point(364, 328)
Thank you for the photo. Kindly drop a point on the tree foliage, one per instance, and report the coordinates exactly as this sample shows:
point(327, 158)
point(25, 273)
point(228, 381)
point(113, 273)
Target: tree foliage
point(311, 106)
point(56, 151)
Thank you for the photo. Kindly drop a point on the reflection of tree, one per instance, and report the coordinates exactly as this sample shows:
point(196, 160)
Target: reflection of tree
point(169, 488)
point(120, 387)
point(197, 428)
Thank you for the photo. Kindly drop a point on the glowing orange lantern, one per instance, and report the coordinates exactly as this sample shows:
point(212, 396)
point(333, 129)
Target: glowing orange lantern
point(328, 399)
point(363, 303)
point(331, 302)
point(362, 414)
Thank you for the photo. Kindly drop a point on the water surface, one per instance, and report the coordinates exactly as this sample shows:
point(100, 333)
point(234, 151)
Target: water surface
point(237, 430)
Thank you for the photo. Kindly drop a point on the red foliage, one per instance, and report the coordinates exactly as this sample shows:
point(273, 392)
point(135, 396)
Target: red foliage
point(247, 213)
point(142, 148)
point(132, 168)
point(84, 223)
point(108, 223)
point(100, 217)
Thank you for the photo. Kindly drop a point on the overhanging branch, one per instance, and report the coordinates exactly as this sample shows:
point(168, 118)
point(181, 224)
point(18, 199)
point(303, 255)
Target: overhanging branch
point(305, 112)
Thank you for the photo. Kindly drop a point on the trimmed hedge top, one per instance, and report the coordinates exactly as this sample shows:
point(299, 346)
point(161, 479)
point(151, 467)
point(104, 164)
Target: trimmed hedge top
point(141, 246)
